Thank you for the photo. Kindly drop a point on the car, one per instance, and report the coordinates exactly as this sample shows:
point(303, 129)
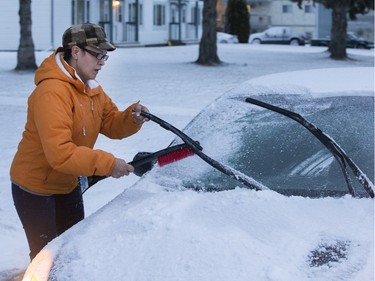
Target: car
point(225, 38)
point(285, 156)
point(352, 41)
point(189, 221)
point(277, 35)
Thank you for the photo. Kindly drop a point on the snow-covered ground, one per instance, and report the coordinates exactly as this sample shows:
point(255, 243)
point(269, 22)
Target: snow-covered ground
point(174, 88)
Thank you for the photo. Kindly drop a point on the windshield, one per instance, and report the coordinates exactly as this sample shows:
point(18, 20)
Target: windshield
point(289, 159)
point(280, 153)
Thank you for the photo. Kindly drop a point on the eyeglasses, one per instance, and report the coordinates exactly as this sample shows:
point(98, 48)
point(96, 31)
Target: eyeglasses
point(99, 56)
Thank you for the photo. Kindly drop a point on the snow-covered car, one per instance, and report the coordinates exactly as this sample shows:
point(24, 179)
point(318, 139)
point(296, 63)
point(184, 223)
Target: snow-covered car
point(313, 219)
point(277, 35)
point(225, 38)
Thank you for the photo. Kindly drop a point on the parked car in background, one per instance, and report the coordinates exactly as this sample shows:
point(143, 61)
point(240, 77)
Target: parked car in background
point(352, 41)
point(277, 35)
point(222, 37)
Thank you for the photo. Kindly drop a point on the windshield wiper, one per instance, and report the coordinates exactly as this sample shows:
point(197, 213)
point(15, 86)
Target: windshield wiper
point(340, 155)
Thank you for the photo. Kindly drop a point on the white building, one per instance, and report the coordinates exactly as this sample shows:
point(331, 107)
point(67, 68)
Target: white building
point(159, 22)
point(267, 13)
point(312, 20)
point(47, 30)
point(143, 22)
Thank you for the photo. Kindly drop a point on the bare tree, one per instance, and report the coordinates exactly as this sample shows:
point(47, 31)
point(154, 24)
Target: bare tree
point(207, 46)
point(340, 8)
point(26, 51)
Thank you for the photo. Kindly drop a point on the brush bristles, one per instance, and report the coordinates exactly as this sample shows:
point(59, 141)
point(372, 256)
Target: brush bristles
point(175, 156)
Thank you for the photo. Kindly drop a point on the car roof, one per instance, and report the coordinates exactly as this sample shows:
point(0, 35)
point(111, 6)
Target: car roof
point(319, 84)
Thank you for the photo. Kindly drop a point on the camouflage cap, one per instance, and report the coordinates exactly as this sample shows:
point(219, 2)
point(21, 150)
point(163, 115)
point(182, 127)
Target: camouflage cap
point(86, 34)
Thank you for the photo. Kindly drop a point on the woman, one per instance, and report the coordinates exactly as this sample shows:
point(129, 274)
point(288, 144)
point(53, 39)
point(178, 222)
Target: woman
point(66, 112)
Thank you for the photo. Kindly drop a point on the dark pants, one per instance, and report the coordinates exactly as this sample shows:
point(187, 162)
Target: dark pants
point(46, 217)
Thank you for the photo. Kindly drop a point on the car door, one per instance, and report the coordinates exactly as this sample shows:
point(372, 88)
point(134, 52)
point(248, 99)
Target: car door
point(272, 35)
point(283, 36)
point(277, 35)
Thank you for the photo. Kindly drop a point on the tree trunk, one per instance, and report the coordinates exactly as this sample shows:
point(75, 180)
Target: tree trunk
point(237, 20)
point(207, 46)
point(337, 46)
point(26, 52)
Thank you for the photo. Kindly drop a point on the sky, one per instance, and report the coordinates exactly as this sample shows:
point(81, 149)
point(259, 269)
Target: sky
point(187, 235)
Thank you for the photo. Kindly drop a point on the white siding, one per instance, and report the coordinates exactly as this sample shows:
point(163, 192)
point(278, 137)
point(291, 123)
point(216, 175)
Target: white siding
point(155, 34)
point(41, 23)
point(42, 32)
point(9, 22)
point(298, 20)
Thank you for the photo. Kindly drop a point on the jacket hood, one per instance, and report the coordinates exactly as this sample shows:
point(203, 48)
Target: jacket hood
point(55, 67)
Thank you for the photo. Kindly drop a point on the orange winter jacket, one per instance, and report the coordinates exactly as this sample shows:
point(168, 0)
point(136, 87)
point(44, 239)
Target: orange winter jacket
point(64, 119)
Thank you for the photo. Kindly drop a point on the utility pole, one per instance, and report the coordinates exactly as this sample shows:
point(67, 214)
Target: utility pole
point(52, 25)
point(179, 19)
point(136, 20)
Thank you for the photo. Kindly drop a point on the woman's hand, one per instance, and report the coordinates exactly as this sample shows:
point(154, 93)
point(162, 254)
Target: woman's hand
point(121, 169)
point(138, 118)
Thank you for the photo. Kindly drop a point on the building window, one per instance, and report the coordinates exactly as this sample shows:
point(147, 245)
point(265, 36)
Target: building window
point(140, 14)
point(174, 13)
point(88, 11)
point(287, 9)
point(104, 11)
point(195, 15)
point(159, 15)
point(175, 16)
point(80, 11)
point(309, 9)
point(118, 6)
point(183, 14)
point(132, 12)
point(73, 12)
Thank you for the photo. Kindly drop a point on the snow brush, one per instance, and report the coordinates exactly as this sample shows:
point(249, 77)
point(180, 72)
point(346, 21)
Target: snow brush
point(144, 161)
point(177, 152)
point(343, 159)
